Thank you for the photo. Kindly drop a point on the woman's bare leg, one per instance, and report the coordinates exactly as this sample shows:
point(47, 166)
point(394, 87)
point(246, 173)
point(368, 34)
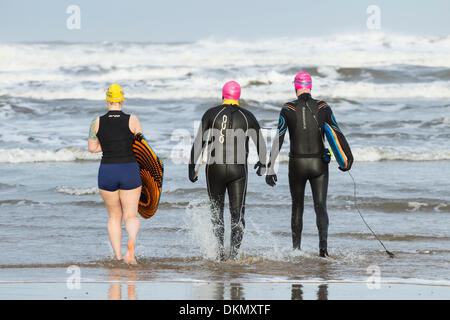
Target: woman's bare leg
point(130, 201)
point(112, 201)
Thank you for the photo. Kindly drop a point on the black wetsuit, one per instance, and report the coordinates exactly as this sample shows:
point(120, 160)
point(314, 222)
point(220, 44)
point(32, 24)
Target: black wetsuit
point(305, 119)
point(226, 130)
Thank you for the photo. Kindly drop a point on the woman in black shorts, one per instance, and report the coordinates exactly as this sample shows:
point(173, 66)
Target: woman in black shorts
point(119, 181)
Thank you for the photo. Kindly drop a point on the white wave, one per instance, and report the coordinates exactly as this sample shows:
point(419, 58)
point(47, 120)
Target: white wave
point(38, 155)
point(375, 154)
point(199, 69)
point(347, 50)
point(371, 154)
point(77, 191)
point(364, 90)
point(416, 205)
point(206, 87)
point(366, 154)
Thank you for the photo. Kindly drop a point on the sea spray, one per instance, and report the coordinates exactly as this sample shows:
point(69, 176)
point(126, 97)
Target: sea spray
point(255, 234)
point(200, 229)
point(275, 251)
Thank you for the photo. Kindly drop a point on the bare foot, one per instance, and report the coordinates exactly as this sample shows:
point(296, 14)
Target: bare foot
point(129, 257)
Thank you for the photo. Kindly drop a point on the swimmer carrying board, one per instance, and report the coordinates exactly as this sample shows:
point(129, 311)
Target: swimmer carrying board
point(152, 174)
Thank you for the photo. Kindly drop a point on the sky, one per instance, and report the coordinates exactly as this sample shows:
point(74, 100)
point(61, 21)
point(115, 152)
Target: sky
point(192, 20)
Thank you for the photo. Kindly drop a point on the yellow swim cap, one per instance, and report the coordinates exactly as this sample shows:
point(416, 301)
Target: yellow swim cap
point(114, 93)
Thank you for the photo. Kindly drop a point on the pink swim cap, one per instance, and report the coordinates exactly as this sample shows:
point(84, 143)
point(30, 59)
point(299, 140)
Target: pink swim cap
point(303, 81)
point(231, 90)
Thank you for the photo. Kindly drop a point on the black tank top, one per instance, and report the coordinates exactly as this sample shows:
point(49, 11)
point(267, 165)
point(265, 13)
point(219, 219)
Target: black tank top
point(116, 138)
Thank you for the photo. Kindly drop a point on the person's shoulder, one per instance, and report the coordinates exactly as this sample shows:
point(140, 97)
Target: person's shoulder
point(249, 117)
point(216, 108)
point(212, 111)
point(134, 120)
point(289, 106)
point(102, 116)
point(321, 104)
point(246, 111)
point(128, 115)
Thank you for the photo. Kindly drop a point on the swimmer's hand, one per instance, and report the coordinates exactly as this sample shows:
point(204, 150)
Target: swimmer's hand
point(271, 180)
point(192, 176)
point(349, 166)
point(261, 168)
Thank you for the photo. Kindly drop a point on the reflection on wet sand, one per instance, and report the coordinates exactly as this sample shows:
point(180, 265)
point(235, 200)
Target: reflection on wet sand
point(215, 290)
point(225, 291)
point(235, 291)
point(322, 292)
point(297, 292)
point(115, 290)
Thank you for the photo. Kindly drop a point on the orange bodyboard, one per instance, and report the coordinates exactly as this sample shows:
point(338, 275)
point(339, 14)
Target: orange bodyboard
point(152, 175)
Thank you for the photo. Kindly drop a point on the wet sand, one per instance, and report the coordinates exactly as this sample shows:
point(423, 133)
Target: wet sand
point(123, 290)
point(123, 285)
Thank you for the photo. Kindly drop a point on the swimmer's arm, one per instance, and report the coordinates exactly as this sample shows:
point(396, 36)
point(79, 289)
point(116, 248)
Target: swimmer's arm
point(278, 140)
point(135, 125)
point(258, 140)
point(341, 141)
point(93, 142)
point(200, 140)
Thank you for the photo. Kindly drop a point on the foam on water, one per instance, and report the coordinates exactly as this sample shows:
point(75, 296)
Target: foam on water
point(77, 191)
point(379, 154)
point(375, 154)
point(416, 205)
point(367, 154)
point(199, 69)
point(39, 155)
point(208, 88)
point(366, 49)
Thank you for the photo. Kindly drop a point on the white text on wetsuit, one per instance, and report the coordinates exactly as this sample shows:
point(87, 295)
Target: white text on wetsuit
point(224, 126)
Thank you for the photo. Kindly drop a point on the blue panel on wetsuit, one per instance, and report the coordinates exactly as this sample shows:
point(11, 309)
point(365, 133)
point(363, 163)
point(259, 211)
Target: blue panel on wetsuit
point(335, 146)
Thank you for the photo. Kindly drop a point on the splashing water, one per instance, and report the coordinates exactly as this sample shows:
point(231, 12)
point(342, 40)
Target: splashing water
point(200, 229)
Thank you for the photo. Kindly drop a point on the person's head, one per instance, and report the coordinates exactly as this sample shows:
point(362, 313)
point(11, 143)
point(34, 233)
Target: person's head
point(115, 97)
point(231, 91)
point(302, 83)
